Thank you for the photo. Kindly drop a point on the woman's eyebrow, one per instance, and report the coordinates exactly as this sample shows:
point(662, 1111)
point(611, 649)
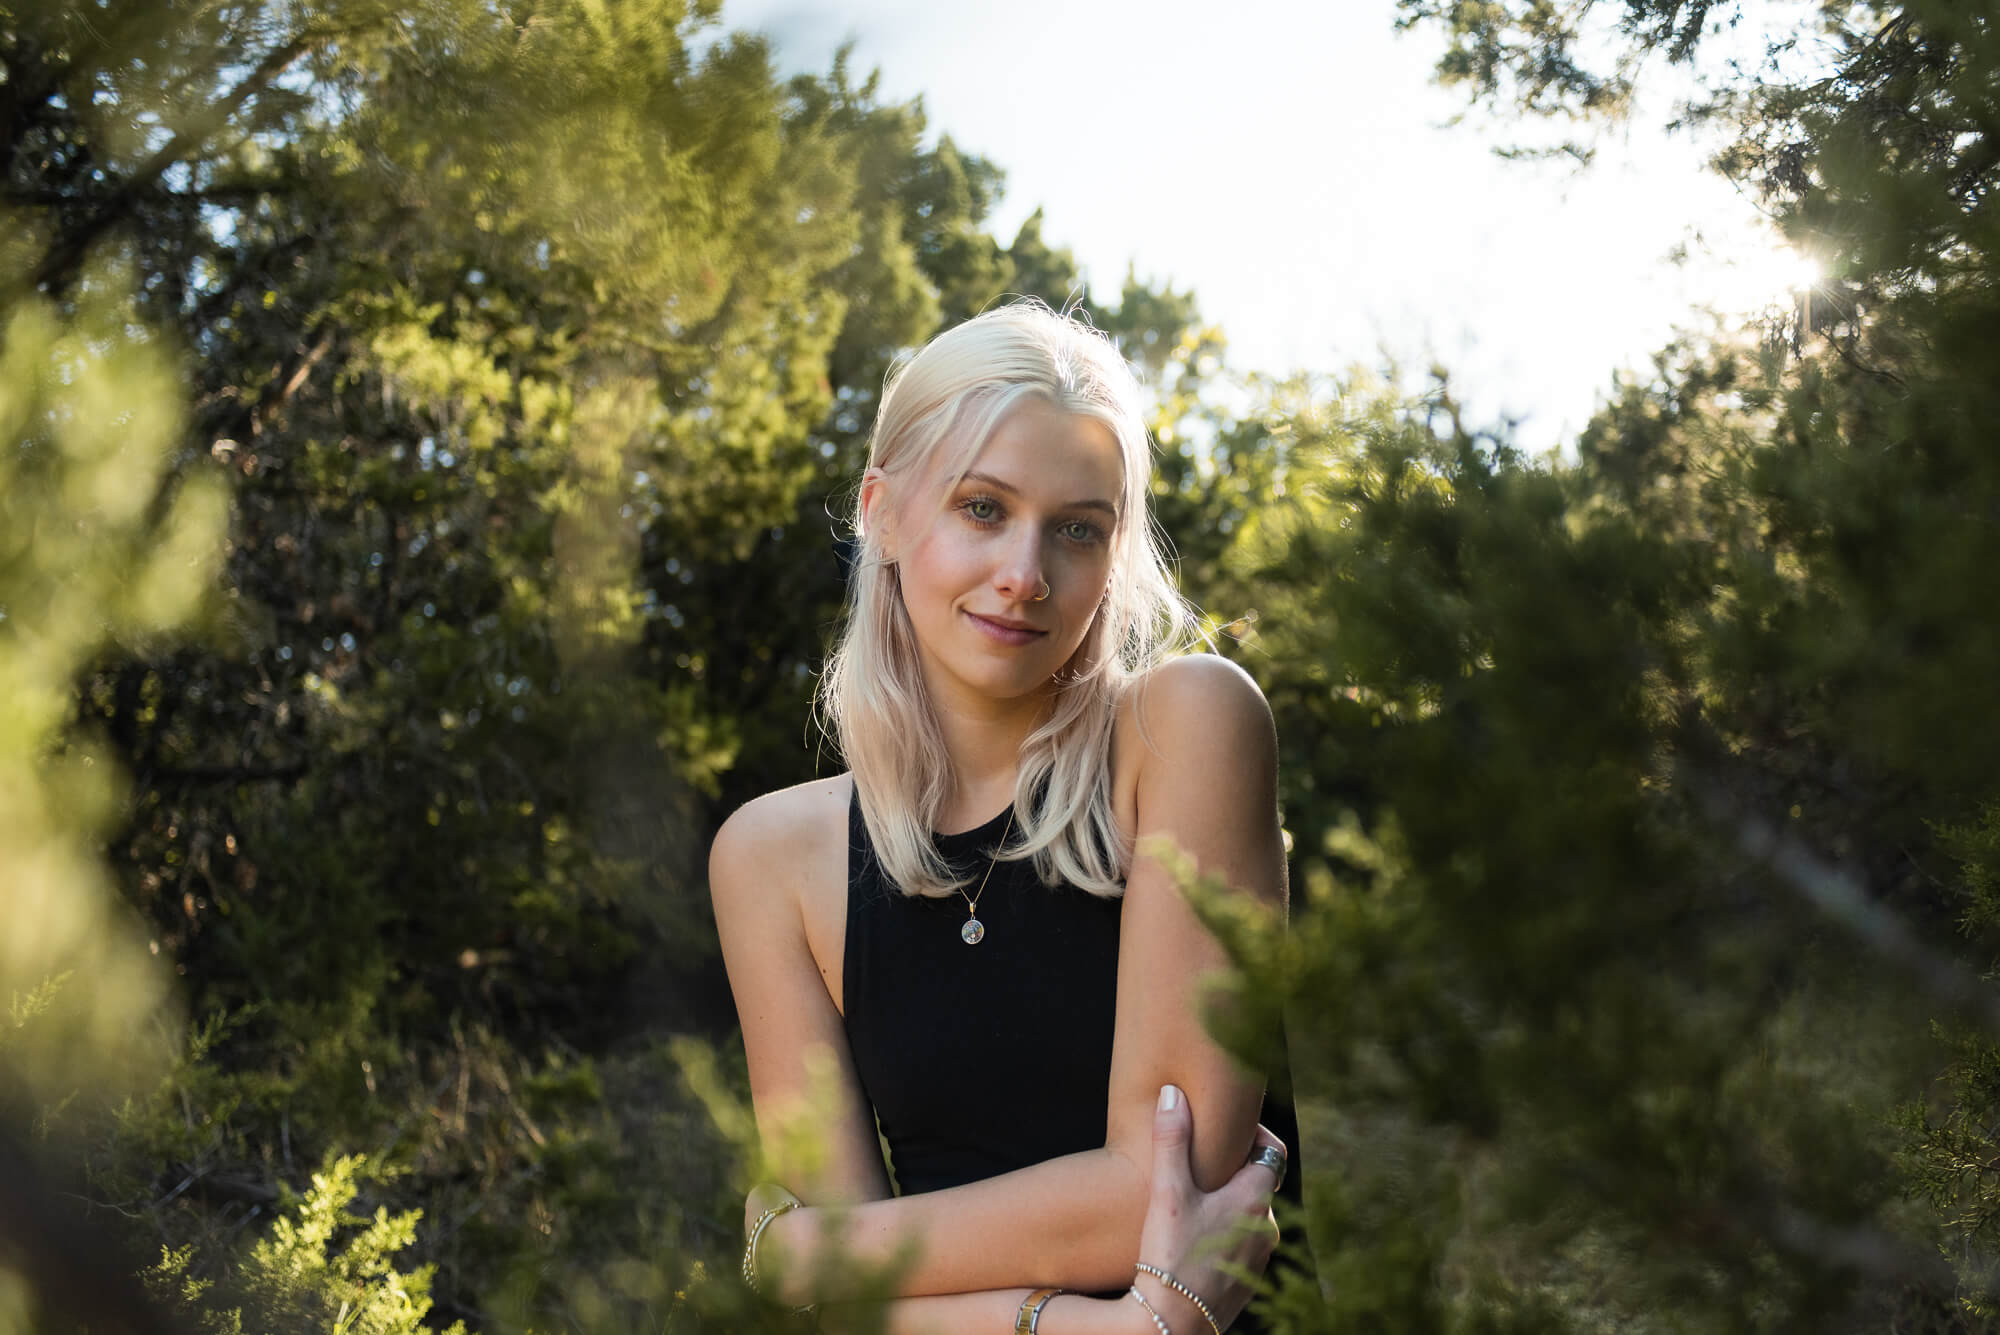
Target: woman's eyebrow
point(1091, 503)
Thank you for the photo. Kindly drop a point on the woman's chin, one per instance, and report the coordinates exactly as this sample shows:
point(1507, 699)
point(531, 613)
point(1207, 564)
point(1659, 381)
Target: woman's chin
point(1003, 681)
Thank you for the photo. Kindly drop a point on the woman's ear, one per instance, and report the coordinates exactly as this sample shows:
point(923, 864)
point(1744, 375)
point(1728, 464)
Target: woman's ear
point(877, 507)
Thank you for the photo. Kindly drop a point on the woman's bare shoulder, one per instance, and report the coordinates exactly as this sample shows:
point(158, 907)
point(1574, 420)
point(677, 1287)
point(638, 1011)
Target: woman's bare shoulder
point(783, 837)
point(1195, 705)
point(1192, 699)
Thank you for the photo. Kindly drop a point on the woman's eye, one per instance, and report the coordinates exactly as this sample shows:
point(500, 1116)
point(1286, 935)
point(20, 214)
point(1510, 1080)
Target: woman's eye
point(981, 509)
point(1077, 530)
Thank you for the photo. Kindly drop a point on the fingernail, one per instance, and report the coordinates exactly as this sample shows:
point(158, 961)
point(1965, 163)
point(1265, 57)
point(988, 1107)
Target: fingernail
point(1170, 1098)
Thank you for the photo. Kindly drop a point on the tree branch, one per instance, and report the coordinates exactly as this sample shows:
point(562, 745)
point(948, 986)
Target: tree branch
point(59, 266)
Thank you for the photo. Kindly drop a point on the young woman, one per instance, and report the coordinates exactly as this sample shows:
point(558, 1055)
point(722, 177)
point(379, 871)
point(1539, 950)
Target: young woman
point(968, 939)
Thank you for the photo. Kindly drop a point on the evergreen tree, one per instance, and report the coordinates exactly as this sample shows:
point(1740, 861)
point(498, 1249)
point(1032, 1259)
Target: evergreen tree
point(1636, 797)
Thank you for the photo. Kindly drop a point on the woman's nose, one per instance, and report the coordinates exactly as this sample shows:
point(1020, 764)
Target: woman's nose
point(1019, 576)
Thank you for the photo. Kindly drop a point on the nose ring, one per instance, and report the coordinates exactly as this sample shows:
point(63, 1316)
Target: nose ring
point(1044, 593)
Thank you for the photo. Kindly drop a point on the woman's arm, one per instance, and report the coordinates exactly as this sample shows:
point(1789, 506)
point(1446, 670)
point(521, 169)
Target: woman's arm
point(1072, 1222)
point(813, 1120)
point(993, 1313)
point(1207, 782)
point(1208, 1241)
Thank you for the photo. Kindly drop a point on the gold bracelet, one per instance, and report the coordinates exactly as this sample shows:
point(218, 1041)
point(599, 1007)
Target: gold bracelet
point(1030, 1314)
point(750, 1248)
point(1185, 1292)
point(1158, 1320)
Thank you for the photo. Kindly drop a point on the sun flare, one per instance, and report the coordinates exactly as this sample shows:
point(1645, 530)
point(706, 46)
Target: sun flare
point(1752, 271)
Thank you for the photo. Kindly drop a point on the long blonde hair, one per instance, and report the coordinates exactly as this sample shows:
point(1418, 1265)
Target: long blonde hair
point(951, 396)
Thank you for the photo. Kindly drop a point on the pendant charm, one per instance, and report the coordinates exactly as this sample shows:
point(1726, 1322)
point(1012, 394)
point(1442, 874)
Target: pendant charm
point(972, 931)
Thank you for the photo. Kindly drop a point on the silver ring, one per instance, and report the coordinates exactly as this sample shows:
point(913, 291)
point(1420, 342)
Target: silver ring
point(1272, 1158)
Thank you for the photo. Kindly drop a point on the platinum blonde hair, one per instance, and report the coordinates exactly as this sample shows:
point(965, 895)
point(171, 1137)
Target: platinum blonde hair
point(938, 409)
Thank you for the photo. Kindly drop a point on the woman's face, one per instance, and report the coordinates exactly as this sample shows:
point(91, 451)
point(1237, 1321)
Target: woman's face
point(1039, 506)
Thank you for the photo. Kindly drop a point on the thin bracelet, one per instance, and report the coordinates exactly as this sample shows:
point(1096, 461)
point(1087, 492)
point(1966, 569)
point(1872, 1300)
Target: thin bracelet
point(757, 1232)
point(1158, 1320)
point(1185, 1292)
point(1030, 1315)
point(750, 1250)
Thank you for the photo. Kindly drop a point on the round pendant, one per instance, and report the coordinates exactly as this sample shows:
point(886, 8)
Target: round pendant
point(972, 931)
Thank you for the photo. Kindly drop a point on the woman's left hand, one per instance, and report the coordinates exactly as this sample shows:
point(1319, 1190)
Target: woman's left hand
point(1213, 1242)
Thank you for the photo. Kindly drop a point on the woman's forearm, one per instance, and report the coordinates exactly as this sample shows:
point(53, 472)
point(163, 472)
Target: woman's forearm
point(993, 1313)
point(1071, 1222)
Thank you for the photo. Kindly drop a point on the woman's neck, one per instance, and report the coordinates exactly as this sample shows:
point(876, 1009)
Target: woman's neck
point(982, 739)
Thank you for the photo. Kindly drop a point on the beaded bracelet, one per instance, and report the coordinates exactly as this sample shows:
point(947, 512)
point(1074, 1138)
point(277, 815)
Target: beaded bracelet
point(750, 1249)
point(1185, 1292)
point(1158, 1320)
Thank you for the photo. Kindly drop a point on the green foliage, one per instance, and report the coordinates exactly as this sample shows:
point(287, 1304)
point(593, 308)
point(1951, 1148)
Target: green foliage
point(1634, 794)
point(92, 554)
point(293, 1276)
point(526, 338)
point(1948, 1153)
point(445, 374)
point(321, 1267)
point(1540, 57)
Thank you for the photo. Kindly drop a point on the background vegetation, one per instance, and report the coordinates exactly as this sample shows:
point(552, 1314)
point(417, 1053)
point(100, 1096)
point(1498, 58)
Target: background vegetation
point(399, 402)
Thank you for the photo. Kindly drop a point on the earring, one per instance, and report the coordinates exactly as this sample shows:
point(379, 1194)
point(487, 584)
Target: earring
point(1044, 593)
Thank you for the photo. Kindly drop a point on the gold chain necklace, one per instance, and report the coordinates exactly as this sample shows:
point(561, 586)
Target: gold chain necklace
point(974, 930)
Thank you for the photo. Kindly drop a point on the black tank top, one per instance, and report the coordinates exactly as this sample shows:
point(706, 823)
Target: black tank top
point(979, 1059)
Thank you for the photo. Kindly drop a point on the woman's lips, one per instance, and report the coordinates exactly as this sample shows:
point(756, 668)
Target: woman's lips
point(1004, 634)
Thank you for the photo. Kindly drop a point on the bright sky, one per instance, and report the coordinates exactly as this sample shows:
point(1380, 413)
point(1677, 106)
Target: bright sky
point(1290, 163)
